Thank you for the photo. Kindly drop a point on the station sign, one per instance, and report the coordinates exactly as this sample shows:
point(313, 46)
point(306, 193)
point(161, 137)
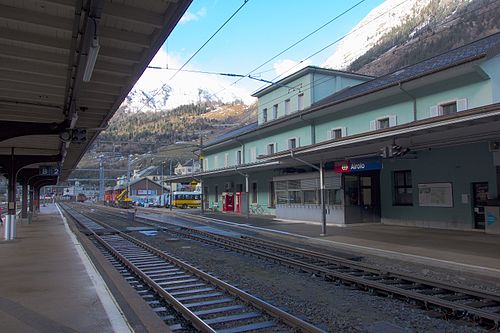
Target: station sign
point(49, 170)
point(342, 166)
point(358, 165)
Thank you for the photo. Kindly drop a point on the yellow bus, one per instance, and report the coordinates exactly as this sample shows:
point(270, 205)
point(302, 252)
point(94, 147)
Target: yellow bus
point(186, 199)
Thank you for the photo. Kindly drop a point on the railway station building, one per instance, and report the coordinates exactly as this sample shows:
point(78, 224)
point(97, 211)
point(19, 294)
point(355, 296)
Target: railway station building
point(416, 147)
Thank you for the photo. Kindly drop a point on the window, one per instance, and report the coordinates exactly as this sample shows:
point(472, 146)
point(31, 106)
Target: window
point(253, 154)
point(271, 199)
point(403, 190)
point(239, 187)
point(216, 162)
point(275, 111)
point(333, 197)
point(238, 157)
point(254, 193)
point(271, 148)
point(300, 102)
point(448, 108)
point(383, 122)
point(292, 143)
point(264, 115)
point(337, 133)
point(311, 197)
point(226, 160)
point(287, 107)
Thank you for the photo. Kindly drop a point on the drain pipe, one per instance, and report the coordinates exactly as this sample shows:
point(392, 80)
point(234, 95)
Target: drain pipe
point(321, 170)
point(400, 85)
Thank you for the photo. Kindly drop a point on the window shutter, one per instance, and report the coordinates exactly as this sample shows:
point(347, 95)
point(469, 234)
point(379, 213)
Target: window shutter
point(461, 104)
point(434, 111)
point(393, 120)
point(298, 142)
point(253, 154)
point(373, 125)
point(344, 131)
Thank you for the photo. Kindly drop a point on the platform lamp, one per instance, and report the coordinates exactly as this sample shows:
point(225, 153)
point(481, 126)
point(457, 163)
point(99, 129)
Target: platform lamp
point(91, 56)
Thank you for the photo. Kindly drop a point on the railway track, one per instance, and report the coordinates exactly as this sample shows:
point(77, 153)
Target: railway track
point(207, 303)
point(450, 300)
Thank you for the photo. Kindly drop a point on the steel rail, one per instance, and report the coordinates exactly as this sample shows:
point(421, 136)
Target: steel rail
point(363, 280)
point(273, 246)
point(197, 322)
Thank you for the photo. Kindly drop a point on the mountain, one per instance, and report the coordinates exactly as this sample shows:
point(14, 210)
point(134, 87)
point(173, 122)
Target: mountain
point(398, 33)
point(132, 130)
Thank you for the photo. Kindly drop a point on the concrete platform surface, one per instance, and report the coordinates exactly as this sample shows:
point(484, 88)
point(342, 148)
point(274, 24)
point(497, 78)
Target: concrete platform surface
point(464, 250)
point(47, 285)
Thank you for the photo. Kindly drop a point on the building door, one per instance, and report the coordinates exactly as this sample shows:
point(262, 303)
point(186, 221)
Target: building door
point(479, 198)
point(362, 197)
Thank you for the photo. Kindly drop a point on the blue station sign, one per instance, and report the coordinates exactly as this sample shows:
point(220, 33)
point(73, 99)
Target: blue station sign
point(358, 165)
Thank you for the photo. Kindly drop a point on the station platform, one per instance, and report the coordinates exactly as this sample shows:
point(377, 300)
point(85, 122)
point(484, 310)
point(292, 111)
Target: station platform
point(470, 251)
point(47, 284)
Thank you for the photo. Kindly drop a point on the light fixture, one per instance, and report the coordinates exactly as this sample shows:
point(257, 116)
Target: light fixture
point(91, 59)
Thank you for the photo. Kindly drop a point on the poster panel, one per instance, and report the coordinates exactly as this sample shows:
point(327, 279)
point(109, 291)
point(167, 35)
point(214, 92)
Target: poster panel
point(435, 195)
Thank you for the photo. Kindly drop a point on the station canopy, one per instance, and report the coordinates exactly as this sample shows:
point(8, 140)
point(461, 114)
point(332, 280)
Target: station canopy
point(67, 65)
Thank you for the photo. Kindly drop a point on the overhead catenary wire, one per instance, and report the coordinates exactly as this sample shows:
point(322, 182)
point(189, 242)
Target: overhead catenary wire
point(259, 112)
point(301, 40)
point(322, 49)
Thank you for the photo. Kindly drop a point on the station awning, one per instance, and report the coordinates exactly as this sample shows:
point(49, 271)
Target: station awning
point(67, 65)
point(480, 124)
point(230, 171)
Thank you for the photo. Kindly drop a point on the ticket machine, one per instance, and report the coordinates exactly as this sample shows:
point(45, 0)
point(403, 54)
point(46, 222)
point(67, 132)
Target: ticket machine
point(227, 202)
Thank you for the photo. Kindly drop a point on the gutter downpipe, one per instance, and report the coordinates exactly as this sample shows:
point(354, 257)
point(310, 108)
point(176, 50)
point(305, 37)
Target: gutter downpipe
point(247, 199)
point(321, 170)
point(400, 85)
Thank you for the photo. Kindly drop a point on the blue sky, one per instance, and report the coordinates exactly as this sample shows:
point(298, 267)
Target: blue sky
point(260, 30)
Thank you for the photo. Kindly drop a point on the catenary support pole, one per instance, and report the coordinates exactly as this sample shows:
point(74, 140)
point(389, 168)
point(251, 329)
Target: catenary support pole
point(202, 197)
point(101, 178)
point(171, 197)
point(322, 197)
point(247, 199)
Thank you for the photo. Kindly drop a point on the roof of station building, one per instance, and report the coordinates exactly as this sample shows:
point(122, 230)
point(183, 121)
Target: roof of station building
point(307, 70)
point(487, 46)
point(479, 48)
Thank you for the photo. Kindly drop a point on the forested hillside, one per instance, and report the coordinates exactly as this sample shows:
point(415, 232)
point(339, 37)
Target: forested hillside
point(135, 132)
point(440, 26)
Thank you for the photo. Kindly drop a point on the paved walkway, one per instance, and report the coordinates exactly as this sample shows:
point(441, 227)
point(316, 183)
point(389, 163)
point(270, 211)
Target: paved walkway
point(48, 285)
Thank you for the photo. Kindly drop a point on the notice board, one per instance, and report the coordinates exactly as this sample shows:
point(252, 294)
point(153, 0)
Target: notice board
point(435, 195)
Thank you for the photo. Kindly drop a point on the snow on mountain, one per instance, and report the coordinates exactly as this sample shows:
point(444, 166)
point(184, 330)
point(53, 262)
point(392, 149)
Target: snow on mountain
point(371, 29)
point(159, 89)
